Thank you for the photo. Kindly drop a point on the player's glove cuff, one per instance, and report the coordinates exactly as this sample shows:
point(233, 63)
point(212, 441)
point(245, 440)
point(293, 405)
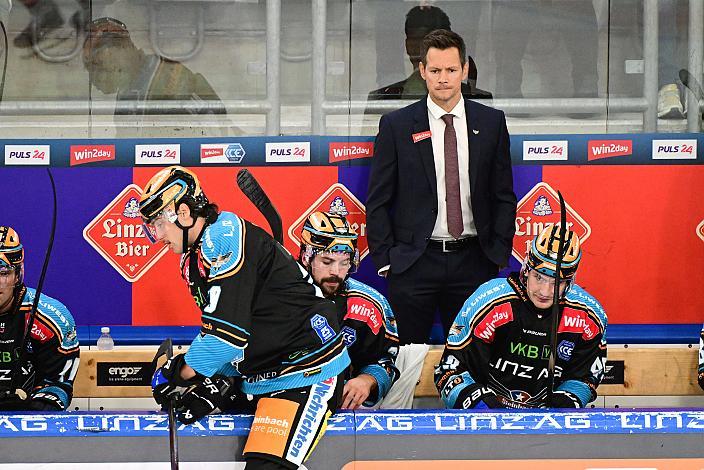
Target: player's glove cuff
point(212, 395)
point(562, 399)
point(167, 382)
point(700, 379)
point(46, 401)
point(473, 395)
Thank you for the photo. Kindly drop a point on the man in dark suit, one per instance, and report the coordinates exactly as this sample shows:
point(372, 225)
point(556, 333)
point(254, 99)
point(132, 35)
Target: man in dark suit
point(441, 206)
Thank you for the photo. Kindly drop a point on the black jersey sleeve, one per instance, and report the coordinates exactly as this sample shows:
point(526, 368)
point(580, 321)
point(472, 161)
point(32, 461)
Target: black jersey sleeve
point(55, 355)
point(369, 331)
point(460, 376)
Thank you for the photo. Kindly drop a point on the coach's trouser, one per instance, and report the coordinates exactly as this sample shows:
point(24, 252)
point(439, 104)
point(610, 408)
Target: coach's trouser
point(288, 424)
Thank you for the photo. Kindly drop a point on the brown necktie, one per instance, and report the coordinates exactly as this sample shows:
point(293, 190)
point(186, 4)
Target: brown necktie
point(452, 180)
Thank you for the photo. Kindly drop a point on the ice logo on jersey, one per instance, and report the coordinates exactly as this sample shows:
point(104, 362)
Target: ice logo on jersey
point(564, 350)
point(321, 327)
point(349, 336)
point(131, 208)
point(337, 207)
point(542, 207)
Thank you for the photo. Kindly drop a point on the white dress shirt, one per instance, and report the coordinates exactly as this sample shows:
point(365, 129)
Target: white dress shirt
point(437, 129)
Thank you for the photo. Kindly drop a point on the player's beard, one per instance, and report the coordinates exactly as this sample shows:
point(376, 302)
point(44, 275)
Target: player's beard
point(327, 290)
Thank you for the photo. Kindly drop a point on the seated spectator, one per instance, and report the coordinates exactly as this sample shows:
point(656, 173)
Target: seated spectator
point(39, 367)
point(421, 20)
point(497, 352)
point(116, 65)
point(329, 253)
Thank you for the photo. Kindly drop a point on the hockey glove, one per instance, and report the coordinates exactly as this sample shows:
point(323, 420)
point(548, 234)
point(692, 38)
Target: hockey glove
point(167, 382)
point(478, 397)
point(212, 395)
point(46, 401)
point(700, 379)
point(562, 399)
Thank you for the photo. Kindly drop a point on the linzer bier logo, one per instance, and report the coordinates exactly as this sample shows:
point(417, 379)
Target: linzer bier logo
point(539, 208)
point(340, 200)
point(118, 235)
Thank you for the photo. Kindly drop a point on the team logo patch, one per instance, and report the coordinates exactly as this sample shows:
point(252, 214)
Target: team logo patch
point(349, 336)
point(520, 396)
point(321, 327)
point(564, 350)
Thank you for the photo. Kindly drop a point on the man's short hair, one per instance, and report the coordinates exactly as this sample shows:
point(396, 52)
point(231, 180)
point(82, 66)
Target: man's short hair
point(420, 20)
point(443, 39)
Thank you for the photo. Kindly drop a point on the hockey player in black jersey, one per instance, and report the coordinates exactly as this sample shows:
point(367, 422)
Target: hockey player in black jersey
point(266, 331)
point(46, 365)
point(329, 252)
point(497, 351)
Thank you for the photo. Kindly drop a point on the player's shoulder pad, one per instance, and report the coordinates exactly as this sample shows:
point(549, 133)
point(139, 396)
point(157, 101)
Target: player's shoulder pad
point(357, 288)
point(56, 315)
point(486, 294)
point(578, 295)
point(222, 249)
point(483, 301)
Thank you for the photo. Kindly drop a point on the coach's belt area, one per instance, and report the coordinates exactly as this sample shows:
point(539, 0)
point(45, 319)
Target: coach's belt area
point(451, 245)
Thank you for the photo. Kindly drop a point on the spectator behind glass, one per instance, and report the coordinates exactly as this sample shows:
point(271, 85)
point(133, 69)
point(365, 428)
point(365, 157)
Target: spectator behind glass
point(45, 17)
point(116, 65)
point(420, 20)
point(515, 23)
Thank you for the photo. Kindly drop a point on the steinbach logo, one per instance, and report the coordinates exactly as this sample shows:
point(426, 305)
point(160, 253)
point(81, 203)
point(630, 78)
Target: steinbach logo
point(287, 152)
point(222, 153)
point(157, 154)
point(27, 154)
point(341, 151)
point(118, 235)
point(338, 199)
point(700, 230)
point(598, 149)
point(671, 149)
point(81, 154)
point(539, 208)
point(545, 150)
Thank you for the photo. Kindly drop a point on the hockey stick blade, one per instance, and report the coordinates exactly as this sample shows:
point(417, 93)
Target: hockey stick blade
point(692, 83)
point(166, 348)
point(254, 192)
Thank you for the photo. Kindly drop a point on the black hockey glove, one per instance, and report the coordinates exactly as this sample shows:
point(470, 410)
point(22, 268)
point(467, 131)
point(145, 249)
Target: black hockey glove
point(700, 379)
point(212, 395)
point(478, 397)
point(562, 399)
point(167, 382)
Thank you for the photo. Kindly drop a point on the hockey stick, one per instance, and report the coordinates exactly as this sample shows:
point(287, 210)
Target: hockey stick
point(167, 349)
point(254, 192)
point(692, 84)
point(22, 345)
point(556, 299)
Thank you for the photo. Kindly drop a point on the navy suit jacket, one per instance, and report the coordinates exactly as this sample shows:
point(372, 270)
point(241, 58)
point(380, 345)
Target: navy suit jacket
point(402, 199)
